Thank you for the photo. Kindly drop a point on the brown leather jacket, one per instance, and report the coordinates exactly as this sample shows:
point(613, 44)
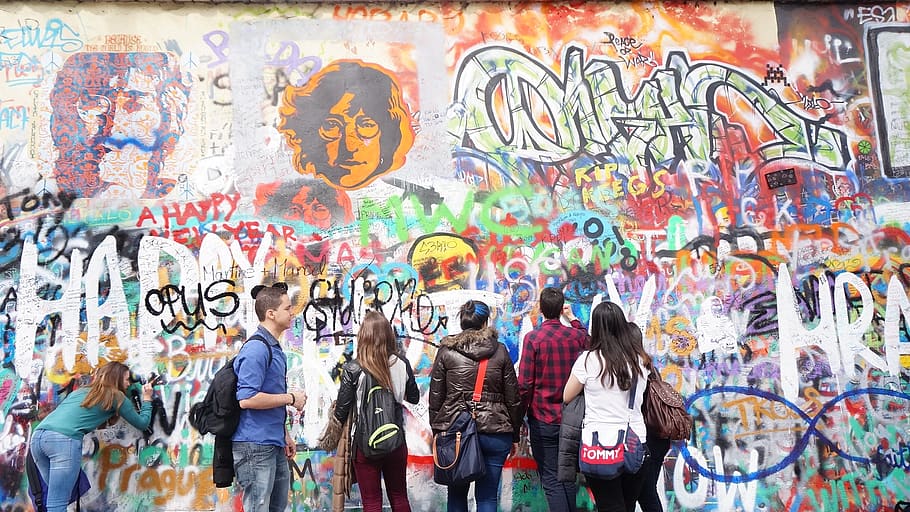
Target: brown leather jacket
point(452, 384)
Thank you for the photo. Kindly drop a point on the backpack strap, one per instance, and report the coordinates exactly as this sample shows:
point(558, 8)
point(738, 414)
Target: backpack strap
point(264, 342)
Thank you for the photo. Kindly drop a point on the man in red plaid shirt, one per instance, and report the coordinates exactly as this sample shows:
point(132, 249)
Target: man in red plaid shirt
point(546, 362)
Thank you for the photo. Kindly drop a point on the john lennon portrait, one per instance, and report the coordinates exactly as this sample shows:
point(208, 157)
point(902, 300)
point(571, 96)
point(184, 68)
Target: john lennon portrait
point(116, 118)
point(348, 125)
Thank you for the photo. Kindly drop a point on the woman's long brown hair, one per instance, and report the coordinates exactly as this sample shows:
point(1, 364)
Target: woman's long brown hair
point(106, 389)
point(375, 343)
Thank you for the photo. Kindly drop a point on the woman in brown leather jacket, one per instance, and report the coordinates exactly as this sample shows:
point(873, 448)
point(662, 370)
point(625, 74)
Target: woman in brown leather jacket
point(497, 413)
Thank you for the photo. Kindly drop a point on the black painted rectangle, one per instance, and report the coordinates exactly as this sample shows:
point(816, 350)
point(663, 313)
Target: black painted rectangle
point(781, 178)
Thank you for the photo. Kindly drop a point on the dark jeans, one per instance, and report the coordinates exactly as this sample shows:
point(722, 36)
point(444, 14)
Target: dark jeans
point(649, 499)
point(393, 468)
point(618, 494)
point(545, 448)
point(495, 448)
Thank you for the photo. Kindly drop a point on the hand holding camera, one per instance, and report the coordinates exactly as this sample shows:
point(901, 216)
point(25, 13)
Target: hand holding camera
point(148, 383)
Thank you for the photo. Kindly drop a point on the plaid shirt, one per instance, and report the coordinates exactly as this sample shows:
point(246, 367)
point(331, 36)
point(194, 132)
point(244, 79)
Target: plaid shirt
point(546, 362)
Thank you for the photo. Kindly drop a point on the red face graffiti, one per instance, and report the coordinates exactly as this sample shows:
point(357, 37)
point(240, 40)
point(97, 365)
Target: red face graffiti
point(308, 208)
point(310, 201)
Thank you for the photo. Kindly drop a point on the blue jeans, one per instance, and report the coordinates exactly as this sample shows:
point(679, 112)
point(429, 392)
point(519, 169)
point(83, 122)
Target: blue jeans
point(544, 439)
point(264, 476)
point(495, 448)
point(58, 458)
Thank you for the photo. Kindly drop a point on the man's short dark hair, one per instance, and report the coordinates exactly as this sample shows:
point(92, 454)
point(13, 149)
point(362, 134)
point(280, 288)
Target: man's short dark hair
point(268, 297)
point(551, 302)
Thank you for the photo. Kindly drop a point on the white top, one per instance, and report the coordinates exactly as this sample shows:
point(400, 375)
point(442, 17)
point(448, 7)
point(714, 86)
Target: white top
point(607, 407)
point(399, 373)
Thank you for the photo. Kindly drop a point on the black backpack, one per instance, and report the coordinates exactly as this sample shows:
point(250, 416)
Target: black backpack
point(380, 422)
point(219, 412)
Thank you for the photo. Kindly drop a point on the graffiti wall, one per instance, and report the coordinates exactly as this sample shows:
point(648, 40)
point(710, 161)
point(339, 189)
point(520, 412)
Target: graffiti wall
point(737, 176)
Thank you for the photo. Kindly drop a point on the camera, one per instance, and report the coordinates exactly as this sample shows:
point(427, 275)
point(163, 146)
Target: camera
point(153, 378)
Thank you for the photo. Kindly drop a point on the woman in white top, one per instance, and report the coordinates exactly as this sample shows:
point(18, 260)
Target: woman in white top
point(605, 374)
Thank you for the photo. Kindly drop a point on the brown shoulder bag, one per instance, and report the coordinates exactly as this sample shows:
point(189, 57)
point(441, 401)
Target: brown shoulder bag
point(664, 410)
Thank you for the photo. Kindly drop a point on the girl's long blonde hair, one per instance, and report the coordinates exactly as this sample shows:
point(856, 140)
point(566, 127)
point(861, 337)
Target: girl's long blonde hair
point(107, 389)
point(375, 343)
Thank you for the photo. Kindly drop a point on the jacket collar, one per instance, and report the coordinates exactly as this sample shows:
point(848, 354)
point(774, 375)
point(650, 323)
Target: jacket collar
point(476, 344)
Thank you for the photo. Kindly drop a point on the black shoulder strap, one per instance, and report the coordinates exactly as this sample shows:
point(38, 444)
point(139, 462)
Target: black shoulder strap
point(632, 391)
point(368, 380)
point(34, 482)
point(264, 342)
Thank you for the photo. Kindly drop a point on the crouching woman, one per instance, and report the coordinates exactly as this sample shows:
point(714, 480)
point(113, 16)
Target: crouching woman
point(56, 443)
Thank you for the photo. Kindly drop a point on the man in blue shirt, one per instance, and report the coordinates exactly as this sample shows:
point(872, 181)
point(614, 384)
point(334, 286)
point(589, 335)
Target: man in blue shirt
point(262, 445)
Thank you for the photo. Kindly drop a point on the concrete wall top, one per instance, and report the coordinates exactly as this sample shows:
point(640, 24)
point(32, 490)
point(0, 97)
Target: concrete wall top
point(274, 2)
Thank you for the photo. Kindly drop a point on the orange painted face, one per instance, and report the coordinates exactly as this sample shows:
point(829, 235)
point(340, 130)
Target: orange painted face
point(127, 167)
point(352, 142)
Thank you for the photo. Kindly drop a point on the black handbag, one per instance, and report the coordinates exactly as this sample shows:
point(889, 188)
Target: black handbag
point(457, 457)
